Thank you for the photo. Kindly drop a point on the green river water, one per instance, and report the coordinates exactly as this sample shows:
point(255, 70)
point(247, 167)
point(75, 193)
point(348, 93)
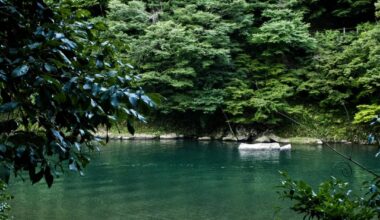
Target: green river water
point(185, 180)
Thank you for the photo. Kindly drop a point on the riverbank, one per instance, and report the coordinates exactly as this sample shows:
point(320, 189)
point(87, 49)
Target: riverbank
point(332, 133)
point(230, 138)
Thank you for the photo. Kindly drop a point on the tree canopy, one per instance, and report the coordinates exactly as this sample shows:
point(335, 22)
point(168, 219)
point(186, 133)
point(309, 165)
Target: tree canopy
point(250, 59)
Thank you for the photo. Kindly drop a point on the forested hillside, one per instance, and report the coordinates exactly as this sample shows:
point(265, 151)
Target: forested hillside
point(252, 62)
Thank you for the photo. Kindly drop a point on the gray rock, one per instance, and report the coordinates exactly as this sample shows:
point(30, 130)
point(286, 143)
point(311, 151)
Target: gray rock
point(276, 138)
point(217, 135)
point(262, 139)
point(244, 133)
point(204, 138)
point(229, 137)
point(143, 137)
point(169, 136)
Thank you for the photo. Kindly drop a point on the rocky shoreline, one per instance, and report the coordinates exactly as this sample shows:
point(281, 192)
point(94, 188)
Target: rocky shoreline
point(260, 139)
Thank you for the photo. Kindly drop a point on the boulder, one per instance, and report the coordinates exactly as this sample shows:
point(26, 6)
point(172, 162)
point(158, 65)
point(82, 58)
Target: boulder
point(218, 134)
point(169, 136)
point(245, 133)
point(262, 139)
point(229, 137)
point(204, 138)
point(143, 137)
point(305, 140)
point(278, 139)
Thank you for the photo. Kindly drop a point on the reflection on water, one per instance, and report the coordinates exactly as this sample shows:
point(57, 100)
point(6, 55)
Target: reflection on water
point(272, 156)
point(183, 180)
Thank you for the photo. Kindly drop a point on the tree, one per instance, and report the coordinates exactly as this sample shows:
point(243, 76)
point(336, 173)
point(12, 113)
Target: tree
point(344, 69)
point(324, 15)
point(267, 80)
point(59, 81)
point(184, 53)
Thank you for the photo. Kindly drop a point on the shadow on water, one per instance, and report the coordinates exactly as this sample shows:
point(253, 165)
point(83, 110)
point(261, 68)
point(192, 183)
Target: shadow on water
point(183, 180)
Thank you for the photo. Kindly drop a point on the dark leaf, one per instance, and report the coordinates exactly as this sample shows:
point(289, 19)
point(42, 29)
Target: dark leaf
point(112, 73)
point(5, 173)
point(32, 171)
point(84, 161)
point(50, 68)
point(87, 86)
point(3, 76)
point(130, 66)
point(3, 148)
point(77, 145)
point(114, 100)
point(8, 126)
point(147, 100)
point(133, 99)
point(64, 57)
point(69, 43)
point(8, 107)
point(34, 45)
point(73, 166)
point(20, 71)
point(59, 35)
point(99, 64)
point(131, 129)
point(48, 176)
point(93, 103)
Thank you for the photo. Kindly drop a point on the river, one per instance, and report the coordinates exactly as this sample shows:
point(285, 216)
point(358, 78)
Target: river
point(185, 180)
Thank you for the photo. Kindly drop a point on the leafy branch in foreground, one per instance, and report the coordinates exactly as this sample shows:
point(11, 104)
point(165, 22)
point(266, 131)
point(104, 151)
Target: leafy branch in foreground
point(59, 81)
point(333, 200)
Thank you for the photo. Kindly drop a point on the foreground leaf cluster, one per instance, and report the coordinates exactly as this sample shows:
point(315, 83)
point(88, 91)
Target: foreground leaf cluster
point(60, 79)
point(333, 200)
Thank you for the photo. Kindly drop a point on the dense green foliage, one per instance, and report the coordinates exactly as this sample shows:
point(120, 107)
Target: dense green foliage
point(253, 60)
point(59, 81)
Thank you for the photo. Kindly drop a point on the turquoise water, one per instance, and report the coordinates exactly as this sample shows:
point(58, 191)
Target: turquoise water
point(184, 180)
